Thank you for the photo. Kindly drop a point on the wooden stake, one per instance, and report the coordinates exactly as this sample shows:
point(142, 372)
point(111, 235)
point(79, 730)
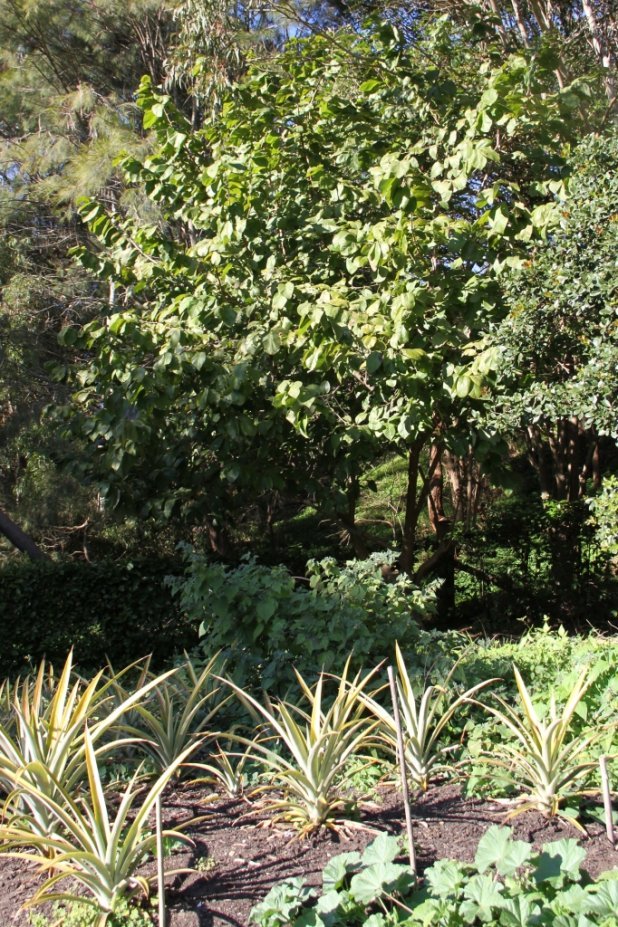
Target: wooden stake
point(607, 800)
point(160, 867)
point(402, 768)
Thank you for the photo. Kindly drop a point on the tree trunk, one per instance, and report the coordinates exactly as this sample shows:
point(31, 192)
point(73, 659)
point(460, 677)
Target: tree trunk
point(352, 533)
point(569, 447)
point(435, 495)
point(521, 24)
point(602, 48)
point(542, 14)
point(19, 538)
point(219, 540)
point(540, 456)
point(444, 565)
point(493, 6)
point(415, 499)
point(565, 545)
point(354, 536)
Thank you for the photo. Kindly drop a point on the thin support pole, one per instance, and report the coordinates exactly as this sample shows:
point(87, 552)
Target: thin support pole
point(607, 800)
point(402, 768)
point(160, 868)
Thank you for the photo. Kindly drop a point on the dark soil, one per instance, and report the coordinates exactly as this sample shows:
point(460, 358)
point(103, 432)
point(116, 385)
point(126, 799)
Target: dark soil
point(238, 856)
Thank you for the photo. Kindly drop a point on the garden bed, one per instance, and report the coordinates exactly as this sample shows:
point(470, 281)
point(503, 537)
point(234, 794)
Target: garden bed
point(238, 856)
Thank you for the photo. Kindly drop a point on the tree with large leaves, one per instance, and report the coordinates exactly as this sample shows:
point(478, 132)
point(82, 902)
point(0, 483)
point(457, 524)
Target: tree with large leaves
point(68, 76)
point(329, 267)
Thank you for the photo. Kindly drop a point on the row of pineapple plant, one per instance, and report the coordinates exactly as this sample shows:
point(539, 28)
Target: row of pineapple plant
point(58, 735)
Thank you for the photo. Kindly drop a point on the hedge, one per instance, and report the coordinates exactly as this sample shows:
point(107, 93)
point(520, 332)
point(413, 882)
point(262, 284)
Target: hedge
point(119, 610)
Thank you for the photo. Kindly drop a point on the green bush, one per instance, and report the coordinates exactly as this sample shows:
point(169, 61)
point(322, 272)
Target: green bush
point(264, 622)
point(120, 610)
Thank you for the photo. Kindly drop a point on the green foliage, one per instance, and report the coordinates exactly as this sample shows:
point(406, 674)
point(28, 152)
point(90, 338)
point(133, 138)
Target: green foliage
point(604, 508)
point(78, 914)
point(540, 559)
point(352, 885)
point(382, 500)
point(363, 774)
point(56, 814)
point(558, 344)
point(306, 749)
point(120, 609)
point(261, 620)
point(346, 306)
point(227, 768)
point(281, 904)
point(312, 753)
point(550, 663)
point(100, 851)
point(547, 759)
point(508, 885)
point(69, 72)
point(41, 740)
point(176, 716)
point(425, 716)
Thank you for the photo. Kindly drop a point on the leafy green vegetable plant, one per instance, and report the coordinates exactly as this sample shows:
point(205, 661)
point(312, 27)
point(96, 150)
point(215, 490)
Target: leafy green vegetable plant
point(507, 885)
point(265, 623)
point(282, 903)
point(352, 884)
point(425, 717)
point(545, 757)
point(316, 745)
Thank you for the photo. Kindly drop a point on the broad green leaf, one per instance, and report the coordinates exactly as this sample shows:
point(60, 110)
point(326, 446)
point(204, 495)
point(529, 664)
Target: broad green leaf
point(559, 861)
point(272, 343)
point(266, 608)
point(384, 849)
point(604, 899)
point(379, 879)
point(482, 895)
point(339, 868)
point(499, 222)
point(573, 900)
point(497, 848)
point(520, 911)
point(373, 362)
point(446, 877)
point(376, 920)
point(369, 86)
point(329, 901)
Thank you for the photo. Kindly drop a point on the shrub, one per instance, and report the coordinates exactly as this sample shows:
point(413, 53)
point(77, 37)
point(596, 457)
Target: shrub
point(263, 622)
point(604, 508)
